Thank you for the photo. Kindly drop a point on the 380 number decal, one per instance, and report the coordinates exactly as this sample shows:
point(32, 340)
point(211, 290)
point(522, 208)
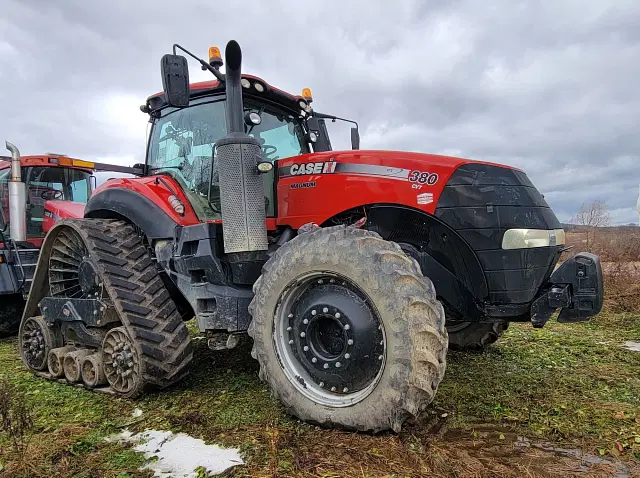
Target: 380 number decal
point(423, 177)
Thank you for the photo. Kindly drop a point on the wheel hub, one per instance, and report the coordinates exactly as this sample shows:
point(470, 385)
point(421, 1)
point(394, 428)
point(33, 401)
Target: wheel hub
point(87, 277)
point(120, 360)
point(332, 340)
point(36, 344)
point(36, 339)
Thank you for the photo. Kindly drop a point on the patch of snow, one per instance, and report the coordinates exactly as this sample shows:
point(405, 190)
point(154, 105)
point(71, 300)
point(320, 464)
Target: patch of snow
point(136, 413)
point(179, 455)
point(633, 346)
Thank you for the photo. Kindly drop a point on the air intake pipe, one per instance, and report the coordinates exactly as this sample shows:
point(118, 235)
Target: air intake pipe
point(17, 198)
point(241, 185)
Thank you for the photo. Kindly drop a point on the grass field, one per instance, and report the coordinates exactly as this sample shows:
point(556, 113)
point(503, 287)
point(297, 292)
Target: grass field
point(497, 413)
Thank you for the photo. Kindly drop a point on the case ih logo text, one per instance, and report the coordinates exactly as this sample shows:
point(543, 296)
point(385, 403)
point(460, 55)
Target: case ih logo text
point(322, 167)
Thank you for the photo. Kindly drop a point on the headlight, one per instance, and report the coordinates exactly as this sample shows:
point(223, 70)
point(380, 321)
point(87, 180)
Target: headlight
point(245, 83)
point(527, 238)
point(265, 166)
point(259, 88)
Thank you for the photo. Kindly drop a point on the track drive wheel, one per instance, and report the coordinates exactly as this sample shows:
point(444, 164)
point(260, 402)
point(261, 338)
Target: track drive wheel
point(474, 335)
point(106, 259)
point(347, 331)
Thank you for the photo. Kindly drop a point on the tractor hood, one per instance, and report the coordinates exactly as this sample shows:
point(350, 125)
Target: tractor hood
point(56, 210)
point(478, 200)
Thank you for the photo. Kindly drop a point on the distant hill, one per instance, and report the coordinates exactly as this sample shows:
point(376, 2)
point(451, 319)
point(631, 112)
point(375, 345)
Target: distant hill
point(621, 228)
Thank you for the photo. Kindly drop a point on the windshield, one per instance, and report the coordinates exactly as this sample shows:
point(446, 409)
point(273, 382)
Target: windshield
point(183, 140)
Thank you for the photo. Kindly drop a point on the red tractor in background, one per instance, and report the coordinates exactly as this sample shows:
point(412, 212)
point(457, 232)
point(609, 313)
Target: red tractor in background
point(352, 271)
point(35, 191)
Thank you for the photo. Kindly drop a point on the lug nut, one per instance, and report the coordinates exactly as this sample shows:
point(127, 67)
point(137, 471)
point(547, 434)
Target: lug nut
point(350, 342)
point(305, 321)
point(290, 316)
point(338, 364)
point(380, 357)
point(288, 329)
point(319, 281)
point(325, 310)
point(345, 390)
point(332, 281)
point(321, 384)
point(347, 327)
point(333, 389)
point(313, 312)
point(326, 365)
point(302, 334)
point(314, 360)
point(306, 349)
point(337, 315)
point(382, 342)
point(347, 356)
point(290, 342)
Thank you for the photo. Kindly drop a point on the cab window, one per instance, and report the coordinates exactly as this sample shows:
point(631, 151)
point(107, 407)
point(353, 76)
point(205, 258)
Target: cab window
point(53, 183)
point(183, 146)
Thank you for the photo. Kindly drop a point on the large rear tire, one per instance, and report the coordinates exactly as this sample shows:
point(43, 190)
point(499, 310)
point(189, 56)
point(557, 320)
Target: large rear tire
point(347, 331)
point(10, 314)
point(474, 335)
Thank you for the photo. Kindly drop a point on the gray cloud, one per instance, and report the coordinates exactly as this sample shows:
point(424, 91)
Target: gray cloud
point(548, 88)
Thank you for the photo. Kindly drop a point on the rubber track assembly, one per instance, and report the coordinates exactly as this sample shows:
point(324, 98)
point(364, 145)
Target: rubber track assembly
point(131, 284)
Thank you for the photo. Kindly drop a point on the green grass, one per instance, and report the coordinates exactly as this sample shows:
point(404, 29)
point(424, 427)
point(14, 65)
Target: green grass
point(573, 385)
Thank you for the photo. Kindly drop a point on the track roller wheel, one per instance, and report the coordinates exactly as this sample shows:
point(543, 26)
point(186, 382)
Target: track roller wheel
point(121, 361)
point(55, 361)
point(36, 340)
point(93, 371)
point(72, 364)
point(347, 331)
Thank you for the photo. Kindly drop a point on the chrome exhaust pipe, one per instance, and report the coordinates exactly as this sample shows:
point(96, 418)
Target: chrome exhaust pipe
point(17, 198)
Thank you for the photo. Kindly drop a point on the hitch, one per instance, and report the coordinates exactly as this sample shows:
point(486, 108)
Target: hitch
point(576, 288)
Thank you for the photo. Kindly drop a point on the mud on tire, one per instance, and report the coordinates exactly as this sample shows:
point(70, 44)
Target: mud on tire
point(403, 301)
point(474, 335)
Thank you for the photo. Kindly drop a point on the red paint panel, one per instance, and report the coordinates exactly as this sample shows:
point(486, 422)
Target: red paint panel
point(158, 193)
point(355, 183)
point(55, 210)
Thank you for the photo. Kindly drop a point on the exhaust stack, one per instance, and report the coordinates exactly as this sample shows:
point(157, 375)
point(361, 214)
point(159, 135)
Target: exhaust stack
point(17, 198)
point(241, 185)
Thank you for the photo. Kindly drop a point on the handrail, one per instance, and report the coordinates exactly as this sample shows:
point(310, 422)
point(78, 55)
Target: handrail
point(19, 261)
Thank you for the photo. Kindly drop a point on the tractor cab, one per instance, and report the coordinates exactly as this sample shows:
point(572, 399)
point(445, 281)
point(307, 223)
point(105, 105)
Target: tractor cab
point(48, 183)
point(182, 141)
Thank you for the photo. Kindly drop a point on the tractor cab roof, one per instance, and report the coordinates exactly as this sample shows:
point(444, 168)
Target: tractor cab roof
point(47, 160)
point(252, 86)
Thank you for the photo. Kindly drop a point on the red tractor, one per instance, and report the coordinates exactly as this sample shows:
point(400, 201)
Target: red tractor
point(352, 271)
point(35, 191)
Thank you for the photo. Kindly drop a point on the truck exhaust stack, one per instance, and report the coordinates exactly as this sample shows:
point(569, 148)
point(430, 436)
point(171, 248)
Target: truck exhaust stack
point(241, 185)
point(17, 198)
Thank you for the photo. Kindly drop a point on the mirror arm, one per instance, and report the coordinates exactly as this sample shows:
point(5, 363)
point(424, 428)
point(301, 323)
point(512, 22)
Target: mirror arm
point(205, 65)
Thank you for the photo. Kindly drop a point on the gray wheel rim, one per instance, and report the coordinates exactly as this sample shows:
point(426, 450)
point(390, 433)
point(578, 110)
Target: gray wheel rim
point(295, 372)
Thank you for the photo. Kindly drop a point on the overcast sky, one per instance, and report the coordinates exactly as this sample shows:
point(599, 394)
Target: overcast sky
point(553, 90)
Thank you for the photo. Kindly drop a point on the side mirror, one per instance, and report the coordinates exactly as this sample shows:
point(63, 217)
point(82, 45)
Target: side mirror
point(355, 138)
point(175, 80)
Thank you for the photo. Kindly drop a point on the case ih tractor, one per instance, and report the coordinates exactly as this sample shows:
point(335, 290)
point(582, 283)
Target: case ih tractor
point(35, 191)
point(352, 271)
